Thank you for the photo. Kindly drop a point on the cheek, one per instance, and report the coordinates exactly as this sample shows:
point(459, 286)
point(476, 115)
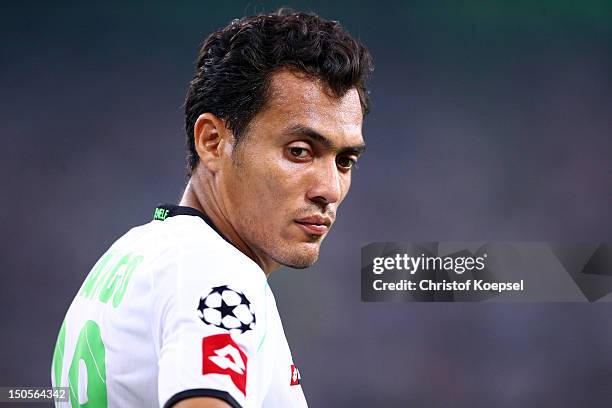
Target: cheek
point(346, 185)
point(280, 178)
point(280, 186)
point(267, 186)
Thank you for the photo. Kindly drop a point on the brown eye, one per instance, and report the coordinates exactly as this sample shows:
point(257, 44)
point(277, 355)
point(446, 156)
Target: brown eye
point(298, 152)
point(345, 162)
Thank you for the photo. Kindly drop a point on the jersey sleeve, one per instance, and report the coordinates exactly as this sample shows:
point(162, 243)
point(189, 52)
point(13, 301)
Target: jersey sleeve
point(207, 326)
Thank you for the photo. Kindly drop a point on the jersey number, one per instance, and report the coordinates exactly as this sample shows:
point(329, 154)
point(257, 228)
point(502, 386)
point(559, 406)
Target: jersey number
point(87, 370)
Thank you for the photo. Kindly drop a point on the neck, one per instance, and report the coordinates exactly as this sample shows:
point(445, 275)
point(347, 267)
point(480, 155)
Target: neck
point(200, 194)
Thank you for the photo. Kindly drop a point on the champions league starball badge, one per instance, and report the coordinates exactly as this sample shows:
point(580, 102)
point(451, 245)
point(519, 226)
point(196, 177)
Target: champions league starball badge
point(228, 309)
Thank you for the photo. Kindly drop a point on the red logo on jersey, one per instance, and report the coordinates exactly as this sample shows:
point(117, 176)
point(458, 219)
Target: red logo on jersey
point(296, 378)
point(221, 355)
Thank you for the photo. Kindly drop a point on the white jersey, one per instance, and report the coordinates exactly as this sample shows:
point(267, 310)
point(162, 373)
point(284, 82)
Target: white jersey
point(172, 310)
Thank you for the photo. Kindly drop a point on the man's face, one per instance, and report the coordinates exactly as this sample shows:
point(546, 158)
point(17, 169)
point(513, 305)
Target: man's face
point(283, 183)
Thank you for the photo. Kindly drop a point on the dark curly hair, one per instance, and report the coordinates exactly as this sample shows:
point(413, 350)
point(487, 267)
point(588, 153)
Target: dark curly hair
point(235, 65)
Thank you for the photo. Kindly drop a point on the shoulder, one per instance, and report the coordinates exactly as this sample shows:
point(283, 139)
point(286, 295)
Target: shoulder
point(193, 261)
point(200, 254)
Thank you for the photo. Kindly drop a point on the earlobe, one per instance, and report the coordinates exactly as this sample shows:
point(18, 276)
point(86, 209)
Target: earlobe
point(210, 134)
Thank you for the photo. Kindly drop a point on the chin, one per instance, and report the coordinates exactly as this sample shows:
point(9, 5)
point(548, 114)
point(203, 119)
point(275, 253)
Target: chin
point(299, 258)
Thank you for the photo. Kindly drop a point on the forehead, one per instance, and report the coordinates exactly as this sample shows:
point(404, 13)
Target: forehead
point(297, 99)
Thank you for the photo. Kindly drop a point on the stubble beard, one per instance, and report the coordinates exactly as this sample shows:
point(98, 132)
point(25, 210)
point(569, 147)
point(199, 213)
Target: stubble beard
point(298, 255)
point(297, 260)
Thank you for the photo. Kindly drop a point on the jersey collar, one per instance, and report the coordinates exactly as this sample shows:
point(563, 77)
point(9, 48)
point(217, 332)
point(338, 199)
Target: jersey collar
point(164, 211)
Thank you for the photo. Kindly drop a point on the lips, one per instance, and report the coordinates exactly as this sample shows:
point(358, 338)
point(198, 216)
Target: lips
point(316, 224)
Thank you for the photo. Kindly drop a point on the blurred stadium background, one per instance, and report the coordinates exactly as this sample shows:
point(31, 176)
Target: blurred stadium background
point(490, 121)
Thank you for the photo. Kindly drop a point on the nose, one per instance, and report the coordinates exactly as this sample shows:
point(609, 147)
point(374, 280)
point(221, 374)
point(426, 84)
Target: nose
point(326, 187)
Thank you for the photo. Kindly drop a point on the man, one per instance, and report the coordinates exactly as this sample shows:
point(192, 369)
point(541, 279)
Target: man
point(178, 312)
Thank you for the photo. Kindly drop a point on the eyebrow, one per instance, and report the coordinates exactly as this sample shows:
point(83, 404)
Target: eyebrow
point(301, 130)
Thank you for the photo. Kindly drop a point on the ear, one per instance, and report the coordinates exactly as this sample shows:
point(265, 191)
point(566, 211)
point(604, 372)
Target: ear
point(212, 140)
